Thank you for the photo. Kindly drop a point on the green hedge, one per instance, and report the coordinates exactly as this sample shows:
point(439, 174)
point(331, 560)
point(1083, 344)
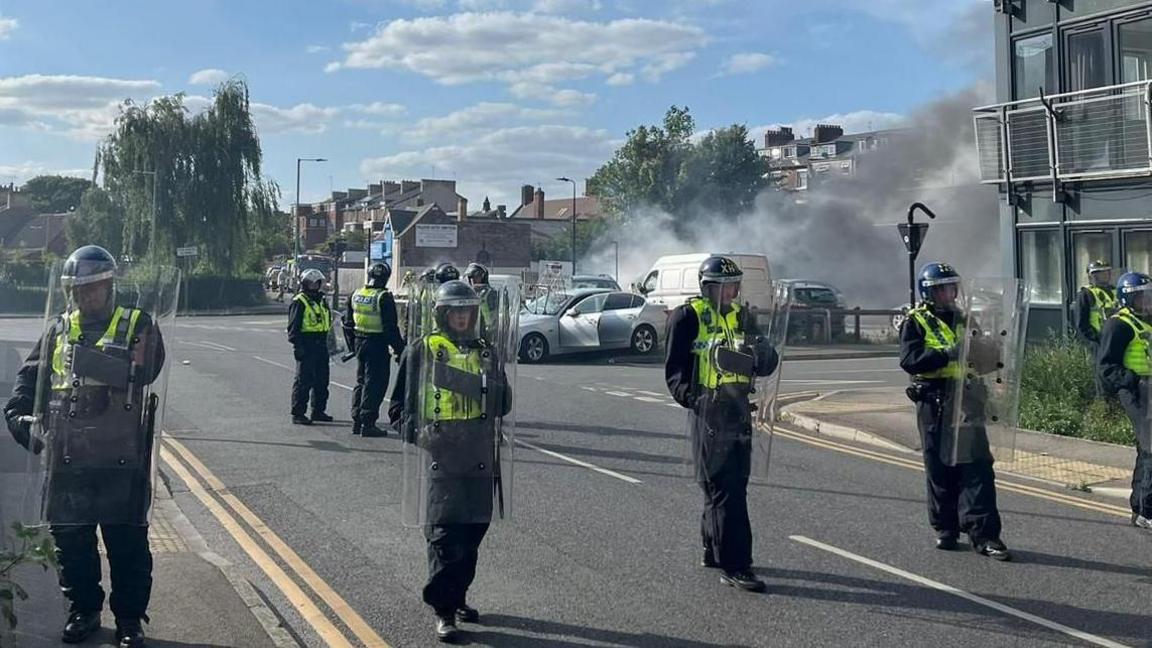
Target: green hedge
point(1058, 395)
point(22, 299)
point(213, 293)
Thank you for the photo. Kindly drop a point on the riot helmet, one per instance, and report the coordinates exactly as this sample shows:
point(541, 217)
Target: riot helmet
point(939, 285)
point(720, 279)
point(446, 272)
point(1100, 273)
point(428, 276)
point(312, 280)
point(378, 275)
point(88, 278)
point(457, 310)
point(476, 274)
point(1132, 291)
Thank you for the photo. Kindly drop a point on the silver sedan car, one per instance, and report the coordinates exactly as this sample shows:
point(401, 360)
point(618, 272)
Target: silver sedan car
point(588, 319)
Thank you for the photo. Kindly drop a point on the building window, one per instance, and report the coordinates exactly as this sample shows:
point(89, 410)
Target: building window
point(1087, 247)
point(1087, 60)
point(1138, 250)
point(1040, 263)
point(1135, 42)
point(1032, 66)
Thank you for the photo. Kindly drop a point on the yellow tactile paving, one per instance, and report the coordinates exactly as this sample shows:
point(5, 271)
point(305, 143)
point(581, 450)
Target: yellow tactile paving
point(1063, 471)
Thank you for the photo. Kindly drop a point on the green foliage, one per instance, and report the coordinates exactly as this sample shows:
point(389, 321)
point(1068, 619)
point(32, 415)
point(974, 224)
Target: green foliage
point(559, 246)
point(201, 175)
point(354, 241)
point(661, 166)
point(55, 194)
point(27, 546)
point(1058, 395)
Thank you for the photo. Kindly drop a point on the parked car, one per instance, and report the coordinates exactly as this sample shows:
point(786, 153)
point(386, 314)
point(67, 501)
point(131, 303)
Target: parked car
point(810, 301)
point(594, 281)
point(588, 319)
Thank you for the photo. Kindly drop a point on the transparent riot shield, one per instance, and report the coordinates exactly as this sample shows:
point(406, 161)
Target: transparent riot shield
point(730, 427)
point(101, 398)
point(457, 423)
point(985, 399)
point(17, 497)
point(337, 345)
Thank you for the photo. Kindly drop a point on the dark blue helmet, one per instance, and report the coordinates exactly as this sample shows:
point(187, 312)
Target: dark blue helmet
point(1129, 285)
point(378, 275)
point(935, 274)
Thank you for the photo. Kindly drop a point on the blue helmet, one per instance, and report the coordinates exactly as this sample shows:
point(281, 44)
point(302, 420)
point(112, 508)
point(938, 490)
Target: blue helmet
point(1131, 283)
point(935, 274)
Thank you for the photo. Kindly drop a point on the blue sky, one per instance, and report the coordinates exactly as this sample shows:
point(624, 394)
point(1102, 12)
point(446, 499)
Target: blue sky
point(493, 93)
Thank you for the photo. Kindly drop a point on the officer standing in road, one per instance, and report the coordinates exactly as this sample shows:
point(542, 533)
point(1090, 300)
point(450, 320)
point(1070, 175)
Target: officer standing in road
point(961, 497)
point(371, 326)
point(1095, 303)
point(1123, 368)
point(309, 323)
point(477, 277)
point(95, 368)
point(701, 331)
point(449, 401)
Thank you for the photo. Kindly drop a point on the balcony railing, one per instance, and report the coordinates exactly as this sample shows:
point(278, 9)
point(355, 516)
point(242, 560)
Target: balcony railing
point(1094, 134)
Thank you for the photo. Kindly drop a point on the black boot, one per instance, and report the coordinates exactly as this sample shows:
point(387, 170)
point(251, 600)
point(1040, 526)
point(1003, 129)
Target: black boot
point(946, 541)
point(709, 559)
point(355, 426)
point(300, 419)
point(371, 430)
point(321, 417)
point(994, 549)
point(80, 626)
point(446, 630)
point(467, 614)
point(743, 579)
point(130, 633)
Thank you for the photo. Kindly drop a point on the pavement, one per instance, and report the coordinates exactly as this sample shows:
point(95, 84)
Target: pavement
point(603, 541)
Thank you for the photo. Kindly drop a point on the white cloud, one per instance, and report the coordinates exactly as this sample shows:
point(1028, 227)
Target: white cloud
point(316, 49)
point(527, 51)
point(80, 106)
point(565, 6)
point(208, 77)
point(550, 94)
point(24, 171)
point(853, 122)
point(746, 63)
point(7, 26)
point(381, 108)
point(497, 163)
point(301, 118)
point(480, 118)
point(621, 79)
point(477, 5)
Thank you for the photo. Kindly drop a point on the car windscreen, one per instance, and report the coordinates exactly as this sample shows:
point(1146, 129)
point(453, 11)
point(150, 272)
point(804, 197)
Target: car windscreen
point(816, 296)
point(549, 304)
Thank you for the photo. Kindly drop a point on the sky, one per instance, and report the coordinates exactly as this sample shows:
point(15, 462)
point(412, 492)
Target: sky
point(492, 93)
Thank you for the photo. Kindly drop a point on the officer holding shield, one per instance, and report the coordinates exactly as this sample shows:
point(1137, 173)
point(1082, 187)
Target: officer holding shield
point(91, 387)
point(714, 355)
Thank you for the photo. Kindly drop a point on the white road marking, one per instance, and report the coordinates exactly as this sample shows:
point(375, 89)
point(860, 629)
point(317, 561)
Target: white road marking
point(582, 464)
point(218, 346)
point(616, 393)
point(591, 389)
point(672, 404)
point(648, 399)
point(648, 393)
point(979, 600)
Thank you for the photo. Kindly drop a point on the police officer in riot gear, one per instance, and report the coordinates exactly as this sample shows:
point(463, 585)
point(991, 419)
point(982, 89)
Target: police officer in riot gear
point(1095, 303)
point(446, 272)
point(456, 429)
point(92, 482)
point(1123, 368)
point(721, 419)
point(477, 277)
point(371, 329)
point(309, 323)
point(961, 497)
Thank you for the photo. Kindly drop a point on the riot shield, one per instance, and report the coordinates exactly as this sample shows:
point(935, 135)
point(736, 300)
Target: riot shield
point(101, 398)
point(985, 399)
point(730, 427)
point(17, 498)
point(457, 424)
point(337, 345)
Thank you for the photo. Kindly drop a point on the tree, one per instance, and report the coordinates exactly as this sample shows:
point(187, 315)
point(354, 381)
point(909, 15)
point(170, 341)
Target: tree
point(660, 166)
point(55, 194)
point(559, 246)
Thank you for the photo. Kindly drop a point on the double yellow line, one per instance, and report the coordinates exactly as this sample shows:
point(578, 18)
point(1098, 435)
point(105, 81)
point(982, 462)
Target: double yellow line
point(226, 507)
point(910, 464)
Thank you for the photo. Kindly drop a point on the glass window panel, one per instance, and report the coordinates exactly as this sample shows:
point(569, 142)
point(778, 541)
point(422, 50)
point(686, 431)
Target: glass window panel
point(1138, 250)
point(1135, 43)
point(1087, 247)
point(1087, 61)
point(1040, 264)
point(1033, 66)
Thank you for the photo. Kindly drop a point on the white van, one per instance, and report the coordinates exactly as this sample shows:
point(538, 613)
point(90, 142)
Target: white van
point(675, 278)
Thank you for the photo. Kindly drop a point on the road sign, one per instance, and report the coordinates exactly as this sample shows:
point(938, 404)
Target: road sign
point(439, 236)
point(187, 251)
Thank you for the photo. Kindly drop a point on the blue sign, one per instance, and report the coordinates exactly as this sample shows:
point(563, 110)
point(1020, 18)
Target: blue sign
point(376, 253)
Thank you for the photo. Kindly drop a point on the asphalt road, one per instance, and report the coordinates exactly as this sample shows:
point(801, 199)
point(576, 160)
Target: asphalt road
point(603, 546)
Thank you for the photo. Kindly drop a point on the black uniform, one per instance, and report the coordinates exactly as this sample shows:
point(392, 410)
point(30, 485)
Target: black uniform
point(453, 549)
point(310, 351)
point(723, 466)
point(961, 498)
point(373, 364)
point(1132, 391)
point(89, 497)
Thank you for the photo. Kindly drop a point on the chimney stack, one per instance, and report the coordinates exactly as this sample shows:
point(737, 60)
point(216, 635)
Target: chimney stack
point(827, 133)
point(778, 137)
point(461, 209)
point(539, 204)
point(526, 193)
point(374, 188)
point(391, 187)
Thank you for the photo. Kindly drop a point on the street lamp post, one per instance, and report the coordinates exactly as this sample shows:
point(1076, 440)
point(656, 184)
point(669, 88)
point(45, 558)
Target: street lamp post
point(296, 214)
point(573, 222)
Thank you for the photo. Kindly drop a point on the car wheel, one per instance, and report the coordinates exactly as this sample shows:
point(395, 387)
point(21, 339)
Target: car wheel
point(898, 321)
point(644, 340)
point(534, 348)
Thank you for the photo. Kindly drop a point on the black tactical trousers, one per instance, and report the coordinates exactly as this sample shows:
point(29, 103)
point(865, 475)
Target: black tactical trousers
point(961, 498)
point(129, 567)
point(453, 550)
point(1134, 406)
point(373, 371)
point(311, 378)
point(724, 525)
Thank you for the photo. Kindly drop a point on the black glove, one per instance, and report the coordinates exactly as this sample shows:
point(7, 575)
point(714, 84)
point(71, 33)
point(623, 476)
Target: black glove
point(21, 430)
